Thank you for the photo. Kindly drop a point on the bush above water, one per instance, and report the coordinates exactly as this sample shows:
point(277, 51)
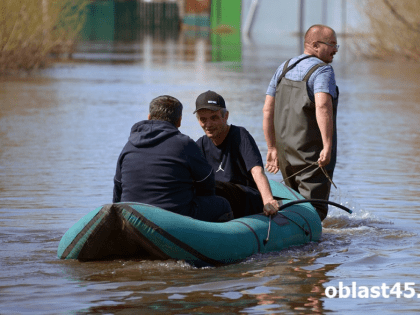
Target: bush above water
point(32, 32)
point(393, 29)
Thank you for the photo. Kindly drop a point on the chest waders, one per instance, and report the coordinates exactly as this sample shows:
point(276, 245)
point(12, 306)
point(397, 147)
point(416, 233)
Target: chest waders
point(298, 138)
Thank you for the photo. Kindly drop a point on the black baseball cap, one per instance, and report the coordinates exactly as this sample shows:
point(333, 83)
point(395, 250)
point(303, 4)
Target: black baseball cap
point(209, 100)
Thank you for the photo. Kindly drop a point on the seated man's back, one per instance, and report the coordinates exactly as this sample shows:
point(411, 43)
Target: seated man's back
point(159, 165)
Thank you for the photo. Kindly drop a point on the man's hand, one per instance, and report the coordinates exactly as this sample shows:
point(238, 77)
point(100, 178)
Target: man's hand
point(324, 158)
point(271, 207)
point(272, 165)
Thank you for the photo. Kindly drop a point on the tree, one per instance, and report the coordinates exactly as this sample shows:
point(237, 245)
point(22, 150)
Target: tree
point(33, 30)
point(394, 29)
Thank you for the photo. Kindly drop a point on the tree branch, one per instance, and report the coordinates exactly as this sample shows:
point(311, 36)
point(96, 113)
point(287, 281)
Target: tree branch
point(400, 17)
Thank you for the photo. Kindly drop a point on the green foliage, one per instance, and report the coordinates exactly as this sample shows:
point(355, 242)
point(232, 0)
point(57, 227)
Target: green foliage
point(32, 31)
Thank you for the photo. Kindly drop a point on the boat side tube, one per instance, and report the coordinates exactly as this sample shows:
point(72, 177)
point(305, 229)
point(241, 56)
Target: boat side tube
point(135, 230)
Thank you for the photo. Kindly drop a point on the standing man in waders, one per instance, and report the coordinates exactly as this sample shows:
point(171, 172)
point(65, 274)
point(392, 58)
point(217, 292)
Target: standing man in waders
point(300, 112)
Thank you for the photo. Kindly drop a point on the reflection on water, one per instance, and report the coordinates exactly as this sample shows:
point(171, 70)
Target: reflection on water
point(130, 20)
point(261, 284)
point(141, 31)
point(61, 131)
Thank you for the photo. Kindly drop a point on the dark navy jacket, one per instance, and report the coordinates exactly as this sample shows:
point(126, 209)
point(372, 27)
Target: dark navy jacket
point(161, 166)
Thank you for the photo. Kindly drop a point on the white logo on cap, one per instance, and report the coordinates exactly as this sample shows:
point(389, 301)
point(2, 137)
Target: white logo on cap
point(214, 102)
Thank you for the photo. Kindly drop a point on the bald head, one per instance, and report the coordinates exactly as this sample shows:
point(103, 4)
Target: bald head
point(320, 41)
point(318, 32)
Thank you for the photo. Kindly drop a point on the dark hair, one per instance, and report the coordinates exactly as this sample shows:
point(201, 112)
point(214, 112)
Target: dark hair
point(166, 108)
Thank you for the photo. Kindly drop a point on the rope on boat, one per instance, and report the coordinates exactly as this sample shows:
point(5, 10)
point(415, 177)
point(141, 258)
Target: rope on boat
point(291, 203)
point(314, 201)
point(295, 202)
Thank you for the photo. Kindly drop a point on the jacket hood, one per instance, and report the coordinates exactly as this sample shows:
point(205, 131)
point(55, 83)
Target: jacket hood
point(148, 133)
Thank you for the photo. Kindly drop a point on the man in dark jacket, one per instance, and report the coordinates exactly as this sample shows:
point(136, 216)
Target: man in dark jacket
point(162, 167)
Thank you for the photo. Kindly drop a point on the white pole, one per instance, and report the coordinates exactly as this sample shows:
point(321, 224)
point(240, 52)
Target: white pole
point(324, 11)
point(343, 17)
point(301, 24)
point(250, 19)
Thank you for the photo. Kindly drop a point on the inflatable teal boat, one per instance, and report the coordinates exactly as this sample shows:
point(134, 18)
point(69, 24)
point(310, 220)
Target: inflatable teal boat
point(141, 231)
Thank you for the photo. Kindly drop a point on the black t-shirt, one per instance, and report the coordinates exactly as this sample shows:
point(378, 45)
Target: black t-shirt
point(233, 160)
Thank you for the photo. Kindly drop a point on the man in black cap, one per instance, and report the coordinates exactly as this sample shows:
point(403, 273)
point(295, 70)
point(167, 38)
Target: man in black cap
point(234, 156)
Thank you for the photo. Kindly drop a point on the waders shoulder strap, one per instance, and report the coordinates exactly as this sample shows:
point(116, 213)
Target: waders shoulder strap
point(286, 64)
point(285, 70)
point(312, 70)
